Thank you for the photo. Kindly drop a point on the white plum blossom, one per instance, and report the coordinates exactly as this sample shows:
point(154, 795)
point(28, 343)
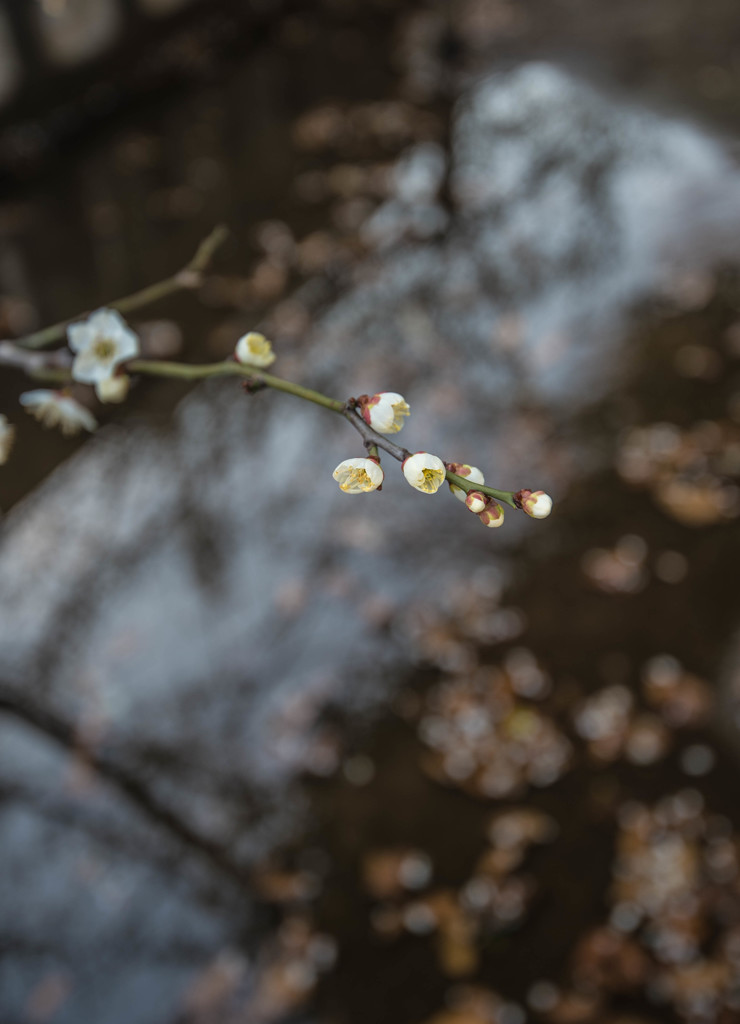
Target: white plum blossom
point(101, 343)
point(358, 476)
point(7, 437)
point(425, 472)
point(255, 350)
point(536, 504)
point(471, 473)
point(384, 412)
point(492, 515)
point(113, 389)
point(57, 409)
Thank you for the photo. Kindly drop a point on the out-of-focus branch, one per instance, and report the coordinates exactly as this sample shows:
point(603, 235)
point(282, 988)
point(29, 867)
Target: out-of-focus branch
point(111, 770)
point(44, 365)
point(187, 279)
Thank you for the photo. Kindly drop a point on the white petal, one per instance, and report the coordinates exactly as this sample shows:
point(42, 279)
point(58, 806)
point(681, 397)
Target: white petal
point(358, 476)
point(541, 507)
point(254, 349)
point(80, 336)
point(53, 409)
point(387, 411)
point(88, 369)
point(104, 325)
point(425, 472)
point(30, 399)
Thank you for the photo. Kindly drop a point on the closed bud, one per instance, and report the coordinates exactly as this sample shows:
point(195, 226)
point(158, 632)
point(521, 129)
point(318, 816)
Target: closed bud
point(475, 501)
point(113, 389)
point(536, 504)
point(492, 515)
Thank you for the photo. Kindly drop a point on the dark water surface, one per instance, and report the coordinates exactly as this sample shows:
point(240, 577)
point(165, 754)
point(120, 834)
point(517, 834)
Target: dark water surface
point(250, 758)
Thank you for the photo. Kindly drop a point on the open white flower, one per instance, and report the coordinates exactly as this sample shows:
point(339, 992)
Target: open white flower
point(536, 504)
point(425, 472)
point(358, 476)
point(384, 412)
point(101, 343)
point(56, 409)
point(7, 437)
point(255, 350)
point(471, 473)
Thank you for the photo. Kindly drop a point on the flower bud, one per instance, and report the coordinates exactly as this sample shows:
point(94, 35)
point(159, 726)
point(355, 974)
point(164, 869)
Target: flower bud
point(384, 412)
point(471, 473)
point(358, 476)
point(536, 504)
point(113, 389)
point(425, 472)
point(475, 500)
point(255, 350)
point(492, 515)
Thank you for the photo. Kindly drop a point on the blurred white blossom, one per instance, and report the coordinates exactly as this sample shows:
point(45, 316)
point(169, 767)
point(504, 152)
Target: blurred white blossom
point(255, 350)
point(101, 343)
point(57, 409)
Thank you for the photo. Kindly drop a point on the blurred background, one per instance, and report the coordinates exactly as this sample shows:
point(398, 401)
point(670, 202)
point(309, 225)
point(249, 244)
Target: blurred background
point(271, 754)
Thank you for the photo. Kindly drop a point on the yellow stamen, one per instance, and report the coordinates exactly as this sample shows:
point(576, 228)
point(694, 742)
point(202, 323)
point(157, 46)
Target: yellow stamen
point(357, 478)
point(431, 480)
point(104, 349)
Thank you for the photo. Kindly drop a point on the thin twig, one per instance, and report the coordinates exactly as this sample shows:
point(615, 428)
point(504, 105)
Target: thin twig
point(189, 278)
point(372, 437)
point(35, 363)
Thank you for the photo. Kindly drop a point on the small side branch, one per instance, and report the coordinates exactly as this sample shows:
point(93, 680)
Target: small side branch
point(189, 278)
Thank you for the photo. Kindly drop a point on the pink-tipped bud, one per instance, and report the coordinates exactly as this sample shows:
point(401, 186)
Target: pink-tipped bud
point(536, 504)
point(492, 515)
point(470, 473)
point(476, 501)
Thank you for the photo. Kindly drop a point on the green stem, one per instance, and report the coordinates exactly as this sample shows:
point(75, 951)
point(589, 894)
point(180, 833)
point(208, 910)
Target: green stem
point(230, 368)
point(506, 496)
point(188, 278)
